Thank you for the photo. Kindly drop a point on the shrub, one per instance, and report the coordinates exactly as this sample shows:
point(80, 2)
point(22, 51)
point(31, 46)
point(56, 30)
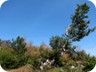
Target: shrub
point(31, 60)
point(89, 64)
point(8, 60)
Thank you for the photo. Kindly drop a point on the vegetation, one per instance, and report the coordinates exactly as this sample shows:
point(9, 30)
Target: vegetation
point(79, 27)
point(60, 57)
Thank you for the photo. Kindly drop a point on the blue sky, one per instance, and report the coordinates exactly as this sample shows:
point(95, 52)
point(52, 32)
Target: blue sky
point(39, 20)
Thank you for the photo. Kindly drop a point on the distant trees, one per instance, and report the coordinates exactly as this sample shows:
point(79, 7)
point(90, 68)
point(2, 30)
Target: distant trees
point(5, 44)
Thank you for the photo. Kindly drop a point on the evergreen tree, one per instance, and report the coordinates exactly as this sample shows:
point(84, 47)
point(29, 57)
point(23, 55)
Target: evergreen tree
point(19, 46)
point(75, 32)
point(79, 27)
point(59, 42)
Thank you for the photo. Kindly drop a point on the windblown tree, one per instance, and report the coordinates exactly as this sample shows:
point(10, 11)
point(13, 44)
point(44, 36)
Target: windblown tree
point(75, 32)
point(79, 27)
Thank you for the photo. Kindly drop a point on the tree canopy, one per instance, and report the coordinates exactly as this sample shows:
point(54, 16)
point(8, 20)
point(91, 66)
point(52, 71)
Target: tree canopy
point(80, 23)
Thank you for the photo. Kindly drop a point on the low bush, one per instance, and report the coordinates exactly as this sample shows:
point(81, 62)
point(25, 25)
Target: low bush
point(89, 64)
point(8, 60)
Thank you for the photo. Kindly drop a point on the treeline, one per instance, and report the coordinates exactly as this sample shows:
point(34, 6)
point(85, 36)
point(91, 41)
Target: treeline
point(61, 56)
point(18, 53)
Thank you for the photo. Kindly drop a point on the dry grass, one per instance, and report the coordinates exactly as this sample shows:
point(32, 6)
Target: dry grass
point(26, 68)
point(66, 55)
point(37, 50)
point(33, 51)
